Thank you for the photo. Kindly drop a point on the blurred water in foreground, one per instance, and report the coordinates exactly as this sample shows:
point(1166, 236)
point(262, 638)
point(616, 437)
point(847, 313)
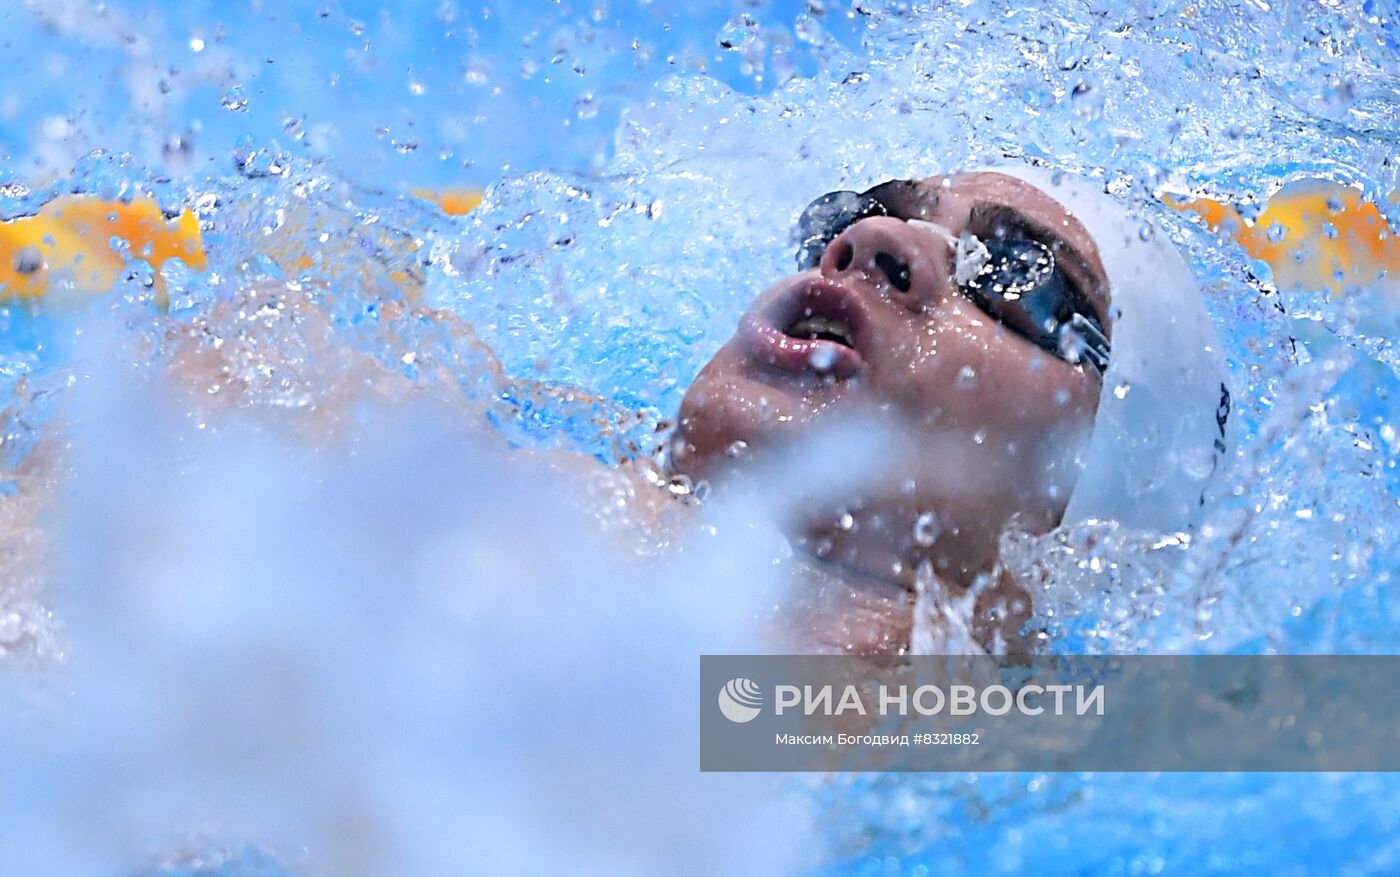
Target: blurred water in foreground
point(300, 612)
point(343, 659)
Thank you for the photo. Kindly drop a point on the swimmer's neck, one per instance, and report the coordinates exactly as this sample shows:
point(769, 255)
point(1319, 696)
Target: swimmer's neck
point(842, 610)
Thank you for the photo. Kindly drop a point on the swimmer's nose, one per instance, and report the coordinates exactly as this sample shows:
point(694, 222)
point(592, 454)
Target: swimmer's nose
point(908, 264)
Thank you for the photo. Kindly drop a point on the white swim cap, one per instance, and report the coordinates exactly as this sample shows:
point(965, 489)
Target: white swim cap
point(1160, 434)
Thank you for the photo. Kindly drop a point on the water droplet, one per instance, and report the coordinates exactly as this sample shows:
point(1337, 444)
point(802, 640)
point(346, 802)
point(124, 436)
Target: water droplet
point(846, 522)
point(1121, 391)
point(1261, 270)
point(233, 100)
point(1276, 232)
point(680, 485)
point(737, 448)
point(1086, 101)
point(196, 44)
point(417, 88)
point(926, 529)
point(738, 33)
point(176, 148)
point(967, 378)
point(822, 358)
point(1146, 232)
point(141, 272)
point(1340, 93)
point(586, 107)
point(476, 72)
point(28, 260)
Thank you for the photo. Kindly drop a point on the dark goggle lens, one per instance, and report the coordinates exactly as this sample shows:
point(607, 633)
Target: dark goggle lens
point(827, 217)
point(1020, 287)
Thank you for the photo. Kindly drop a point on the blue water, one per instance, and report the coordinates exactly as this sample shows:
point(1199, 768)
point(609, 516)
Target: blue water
point(213, 565)
point(427, 93)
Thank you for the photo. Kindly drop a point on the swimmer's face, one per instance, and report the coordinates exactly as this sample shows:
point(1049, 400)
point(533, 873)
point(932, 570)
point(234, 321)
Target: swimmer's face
point(982, 418)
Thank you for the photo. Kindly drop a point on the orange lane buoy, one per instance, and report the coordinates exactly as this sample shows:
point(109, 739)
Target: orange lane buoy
point(82, 243)
point(1313, 234)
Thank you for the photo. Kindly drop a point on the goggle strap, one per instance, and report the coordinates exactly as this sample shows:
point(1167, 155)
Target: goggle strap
point(1095, 346)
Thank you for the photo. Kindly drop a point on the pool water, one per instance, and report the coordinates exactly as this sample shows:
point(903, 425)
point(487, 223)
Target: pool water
point(266, 625)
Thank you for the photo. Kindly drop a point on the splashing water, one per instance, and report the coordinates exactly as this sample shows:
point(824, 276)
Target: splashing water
point(193, 549)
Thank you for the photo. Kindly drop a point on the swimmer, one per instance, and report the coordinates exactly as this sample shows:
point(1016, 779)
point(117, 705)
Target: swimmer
point(1043, 359)
point(1038, 358)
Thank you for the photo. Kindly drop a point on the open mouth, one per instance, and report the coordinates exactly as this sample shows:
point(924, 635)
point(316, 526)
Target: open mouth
point(814, 328)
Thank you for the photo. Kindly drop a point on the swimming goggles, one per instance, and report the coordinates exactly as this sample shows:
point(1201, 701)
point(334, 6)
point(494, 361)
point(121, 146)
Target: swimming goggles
point(1009, 274)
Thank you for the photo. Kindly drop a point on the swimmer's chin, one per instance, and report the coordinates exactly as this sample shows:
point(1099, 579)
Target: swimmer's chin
point(722, 427)
point(888, 575)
